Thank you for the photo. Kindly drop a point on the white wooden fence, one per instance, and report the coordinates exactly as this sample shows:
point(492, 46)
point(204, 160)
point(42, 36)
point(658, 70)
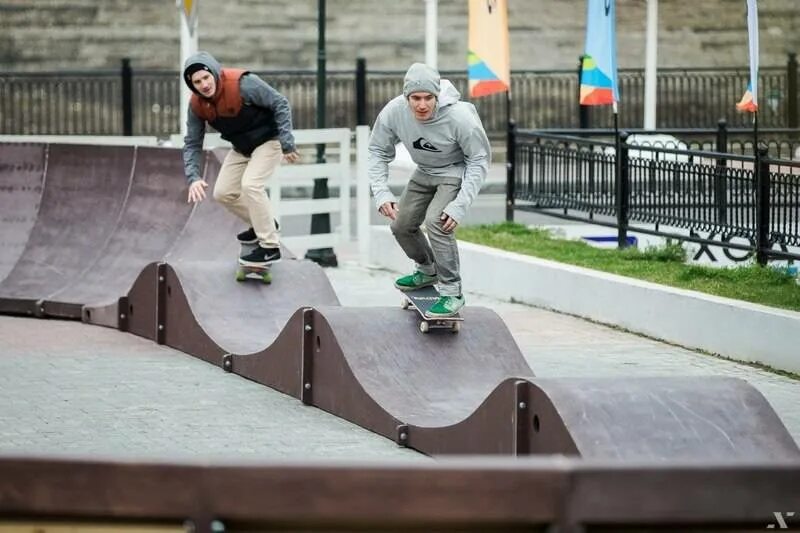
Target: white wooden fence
point(301, 174)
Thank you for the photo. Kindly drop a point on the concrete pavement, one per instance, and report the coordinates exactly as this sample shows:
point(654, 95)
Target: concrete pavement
point(76, 389)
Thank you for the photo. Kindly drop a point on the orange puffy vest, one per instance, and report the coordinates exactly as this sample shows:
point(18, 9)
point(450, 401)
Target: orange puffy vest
point(227, 102)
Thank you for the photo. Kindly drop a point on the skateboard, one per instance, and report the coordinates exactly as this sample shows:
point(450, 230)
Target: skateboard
point(244, 272)
point(421, 300)
point(253, 272)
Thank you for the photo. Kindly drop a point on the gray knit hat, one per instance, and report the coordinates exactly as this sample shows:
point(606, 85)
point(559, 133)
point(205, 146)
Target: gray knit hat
point(421, 78)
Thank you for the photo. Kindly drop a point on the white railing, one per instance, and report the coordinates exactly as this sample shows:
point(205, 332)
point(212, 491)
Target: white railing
point(302, 175)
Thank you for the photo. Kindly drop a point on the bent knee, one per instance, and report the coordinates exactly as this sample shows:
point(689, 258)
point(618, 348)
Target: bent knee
point(254, 191)
point(399, 226)
point(434, 225)
point(225, 197)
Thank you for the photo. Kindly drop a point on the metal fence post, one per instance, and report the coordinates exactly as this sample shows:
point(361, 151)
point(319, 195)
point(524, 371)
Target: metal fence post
point(321, 222)
point(762, 205)
point(127, 97)
point(792, 91)
point(623, 188)
point(361, 92)
point(511, 150)
point(720, 174)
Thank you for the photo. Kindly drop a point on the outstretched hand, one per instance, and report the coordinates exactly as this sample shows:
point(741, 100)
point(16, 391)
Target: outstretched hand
point(448, 223)
point(389, 209)
point(197, 191)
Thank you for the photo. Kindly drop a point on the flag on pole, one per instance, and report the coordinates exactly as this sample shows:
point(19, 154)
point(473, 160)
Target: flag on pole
point(749, 101)
point(488, 58)
point(189, 12)
point(599, 70)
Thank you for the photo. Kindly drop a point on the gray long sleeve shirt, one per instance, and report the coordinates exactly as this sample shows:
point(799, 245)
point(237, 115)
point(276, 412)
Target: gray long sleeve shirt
point(451, 143)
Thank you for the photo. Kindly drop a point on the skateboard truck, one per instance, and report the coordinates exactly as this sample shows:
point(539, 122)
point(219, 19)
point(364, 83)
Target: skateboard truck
point(251, 272)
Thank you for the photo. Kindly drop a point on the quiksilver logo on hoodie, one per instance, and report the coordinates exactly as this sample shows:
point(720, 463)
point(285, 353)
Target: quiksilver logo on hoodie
point(422, 144)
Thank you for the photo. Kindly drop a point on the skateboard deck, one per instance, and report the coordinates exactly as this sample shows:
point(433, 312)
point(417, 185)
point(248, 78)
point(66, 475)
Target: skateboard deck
point(244, 272)
point(252, 272)
point(421, 300)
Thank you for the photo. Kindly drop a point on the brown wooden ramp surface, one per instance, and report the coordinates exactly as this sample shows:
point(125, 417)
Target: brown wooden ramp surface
point(153, 216)
point(473, 392)
point(114, 243)
point(84, 192)
point(105, 213)
point(22, 167)
point(207, 312)
point(655, 418)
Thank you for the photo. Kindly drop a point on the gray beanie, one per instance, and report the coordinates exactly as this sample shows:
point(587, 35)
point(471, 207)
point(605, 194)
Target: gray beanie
point(421, 78)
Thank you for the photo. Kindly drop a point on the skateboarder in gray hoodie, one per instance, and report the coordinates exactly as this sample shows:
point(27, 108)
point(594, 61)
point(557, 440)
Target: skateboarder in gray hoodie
point(257, 121)
point(446, 140)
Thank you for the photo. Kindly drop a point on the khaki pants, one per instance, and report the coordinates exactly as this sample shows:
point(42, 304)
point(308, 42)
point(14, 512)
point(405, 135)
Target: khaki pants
point(242, 188)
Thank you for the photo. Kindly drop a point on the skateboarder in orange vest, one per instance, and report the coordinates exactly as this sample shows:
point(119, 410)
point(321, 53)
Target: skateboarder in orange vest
point(257, 120)
point(446, 140)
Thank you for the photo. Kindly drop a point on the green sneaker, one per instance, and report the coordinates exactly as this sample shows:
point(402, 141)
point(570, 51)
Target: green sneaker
point(446, 306)
point(417, 280)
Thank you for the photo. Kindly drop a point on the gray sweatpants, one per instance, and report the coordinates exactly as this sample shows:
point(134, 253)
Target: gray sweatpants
point(422, 202)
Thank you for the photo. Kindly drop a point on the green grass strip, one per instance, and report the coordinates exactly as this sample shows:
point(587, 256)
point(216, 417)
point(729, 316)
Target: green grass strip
point(664, 265)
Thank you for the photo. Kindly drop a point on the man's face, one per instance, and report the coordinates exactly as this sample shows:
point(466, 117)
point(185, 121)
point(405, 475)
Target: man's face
point(422, 105)
point(204, 82)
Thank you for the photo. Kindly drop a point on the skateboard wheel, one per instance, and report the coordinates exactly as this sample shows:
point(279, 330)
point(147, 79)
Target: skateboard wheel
point(266, 277)
point(240, 275)
point(424, 327)
point(456, 327)
point(405, 303)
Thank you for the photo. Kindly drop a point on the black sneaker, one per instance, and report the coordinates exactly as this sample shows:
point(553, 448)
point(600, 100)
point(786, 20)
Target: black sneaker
point(261, 257)
point(248, 237)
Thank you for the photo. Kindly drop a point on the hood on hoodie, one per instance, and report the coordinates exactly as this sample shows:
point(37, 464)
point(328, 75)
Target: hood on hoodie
point(200, 60)
point(421, 78)
point(449, 94)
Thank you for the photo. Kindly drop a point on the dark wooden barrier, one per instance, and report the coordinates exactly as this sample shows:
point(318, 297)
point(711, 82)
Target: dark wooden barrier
point(476, 494)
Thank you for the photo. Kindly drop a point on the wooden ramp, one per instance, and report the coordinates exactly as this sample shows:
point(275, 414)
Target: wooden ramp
point(104, 234)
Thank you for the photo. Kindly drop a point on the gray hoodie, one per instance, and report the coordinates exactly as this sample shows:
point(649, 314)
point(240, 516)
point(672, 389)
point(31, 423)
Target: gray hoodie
point(451, 143)
point(254, 92)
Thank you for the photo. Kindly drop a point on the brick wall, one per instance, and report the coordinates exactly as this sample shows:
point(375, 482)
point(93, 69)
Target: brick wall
point(282, 34)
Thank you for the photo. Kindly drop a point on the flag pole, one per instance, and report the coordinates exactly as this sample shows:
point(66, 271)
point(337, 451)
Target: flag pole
point(621, 186)
point(508, 108)
point(755, 132)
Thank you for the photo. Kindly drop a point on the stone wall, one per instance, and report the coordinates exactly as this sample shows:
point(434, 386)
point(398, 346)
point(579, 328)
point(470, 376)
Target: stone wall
point(282, 34)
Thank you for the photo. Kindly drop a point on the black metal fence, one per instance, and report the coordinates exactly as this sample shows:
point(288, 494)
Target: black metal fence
point(780, 142)
point(91, 102)
point(752, 202)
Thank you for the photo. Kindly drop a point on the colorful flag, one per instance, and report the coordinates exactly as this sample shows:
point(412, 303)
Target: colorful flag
point(189, 11)
point(488, 58)
point(599, 71)
point(749, 101)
